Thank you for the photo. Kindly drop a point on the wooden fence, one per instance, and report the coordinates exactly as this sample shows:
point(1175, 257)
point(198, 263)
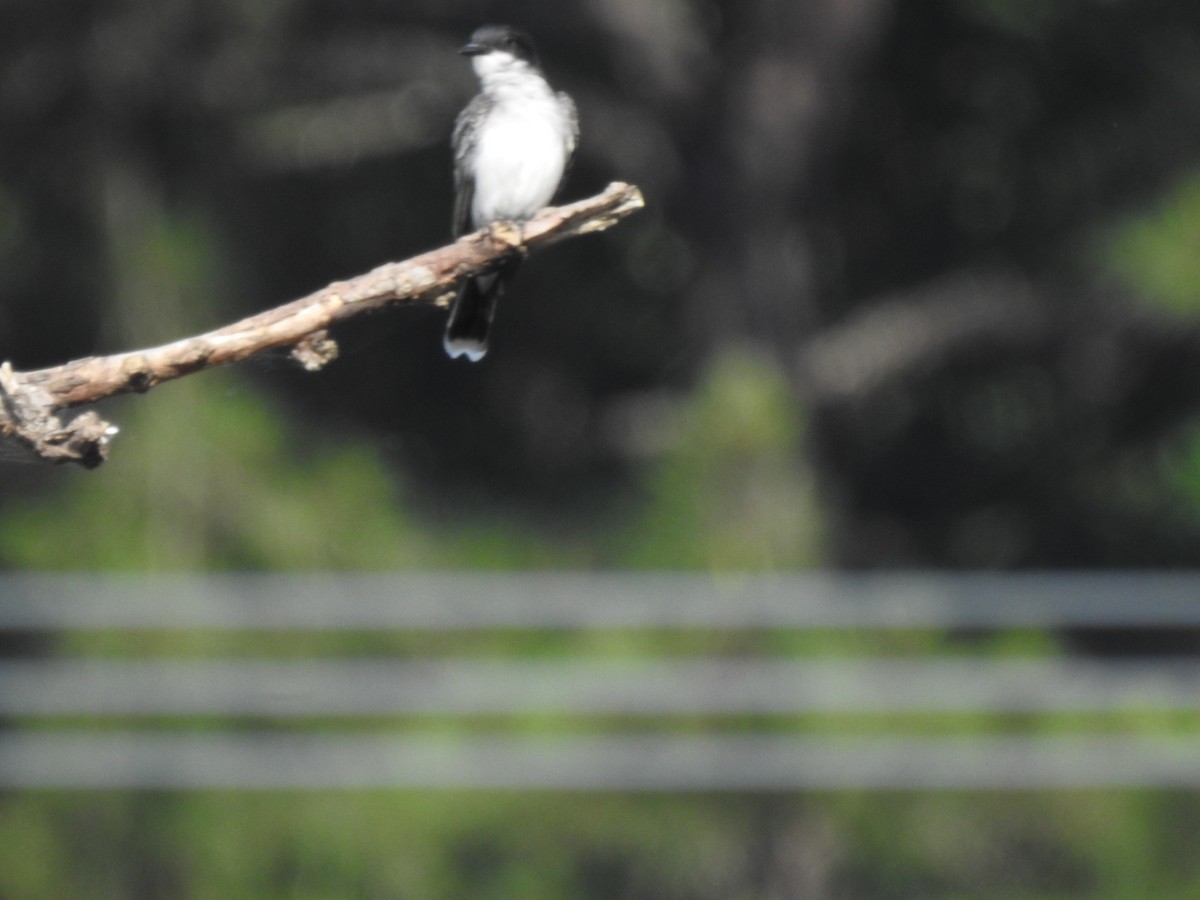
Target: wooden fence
point(766, 683)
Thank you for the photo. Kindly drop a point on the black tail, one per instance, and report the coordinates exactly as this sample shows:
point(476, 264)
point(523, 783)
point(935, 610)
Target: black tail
point(472, 312)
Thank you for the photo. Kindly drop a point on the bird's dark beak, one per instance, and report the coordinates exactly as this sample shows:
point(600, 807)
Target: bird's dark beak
point(472, 49)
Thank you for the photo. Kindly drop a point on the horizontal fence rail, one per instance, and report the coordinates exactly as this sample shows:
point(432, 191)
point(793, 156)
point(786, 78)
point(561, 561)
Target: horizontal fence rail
point(465, 687)
point(720, 717)
point(583, 601)
point(626, 762)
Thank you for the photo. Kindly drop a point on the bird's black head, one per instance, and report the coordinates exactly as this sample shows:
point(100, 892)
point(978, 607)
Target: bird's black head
point(502, 39)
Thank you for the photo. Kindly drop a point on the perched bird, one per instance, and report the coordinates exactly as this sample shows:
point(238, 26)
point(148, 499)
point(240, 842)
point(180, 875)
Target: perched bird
point(512, 144)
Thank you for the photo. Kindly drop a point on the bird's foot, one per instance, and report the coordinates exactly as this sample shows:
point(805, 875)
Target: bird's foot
point(507, 232)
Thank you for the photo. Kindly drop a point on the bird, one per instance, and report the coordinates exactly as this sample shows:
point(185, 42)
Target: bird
point(512, 145)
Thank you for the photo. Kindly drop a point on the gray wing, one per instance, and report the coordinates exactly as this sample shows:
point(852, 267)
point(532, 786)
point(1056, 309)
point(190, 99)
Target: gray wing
point(463, 141)
point(571, 114)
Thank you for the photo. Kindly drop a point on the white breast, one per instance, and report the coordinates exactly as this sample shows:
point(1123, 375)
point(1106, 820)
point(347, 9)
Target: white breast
point(520, 156)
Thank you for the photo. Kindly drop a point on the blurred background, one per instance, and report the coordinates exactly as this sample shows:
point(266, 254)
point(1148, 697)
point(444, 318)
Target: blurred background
point(917, 287)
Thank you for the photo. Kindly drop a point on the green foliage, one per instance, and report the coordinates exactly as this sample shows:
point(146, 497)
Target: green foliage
point(733, 492)
point(380, 844)
point(236, 490)
point(546, 847)
point(1177, 473)
point(232, 492)
point(1158, 253)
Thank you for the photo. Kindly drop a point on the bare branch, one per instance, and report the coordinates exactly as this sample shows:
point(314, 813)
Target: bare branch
point(29, 400)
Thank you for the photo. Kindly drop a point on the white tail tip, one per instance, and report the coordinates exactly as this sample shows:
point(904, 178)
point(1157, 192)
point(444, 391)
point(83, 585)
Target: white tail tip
point(471, 349)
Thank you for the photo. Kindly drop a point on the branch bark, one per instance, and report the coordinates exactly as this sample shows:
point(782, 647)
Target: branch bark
point(30, 400)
